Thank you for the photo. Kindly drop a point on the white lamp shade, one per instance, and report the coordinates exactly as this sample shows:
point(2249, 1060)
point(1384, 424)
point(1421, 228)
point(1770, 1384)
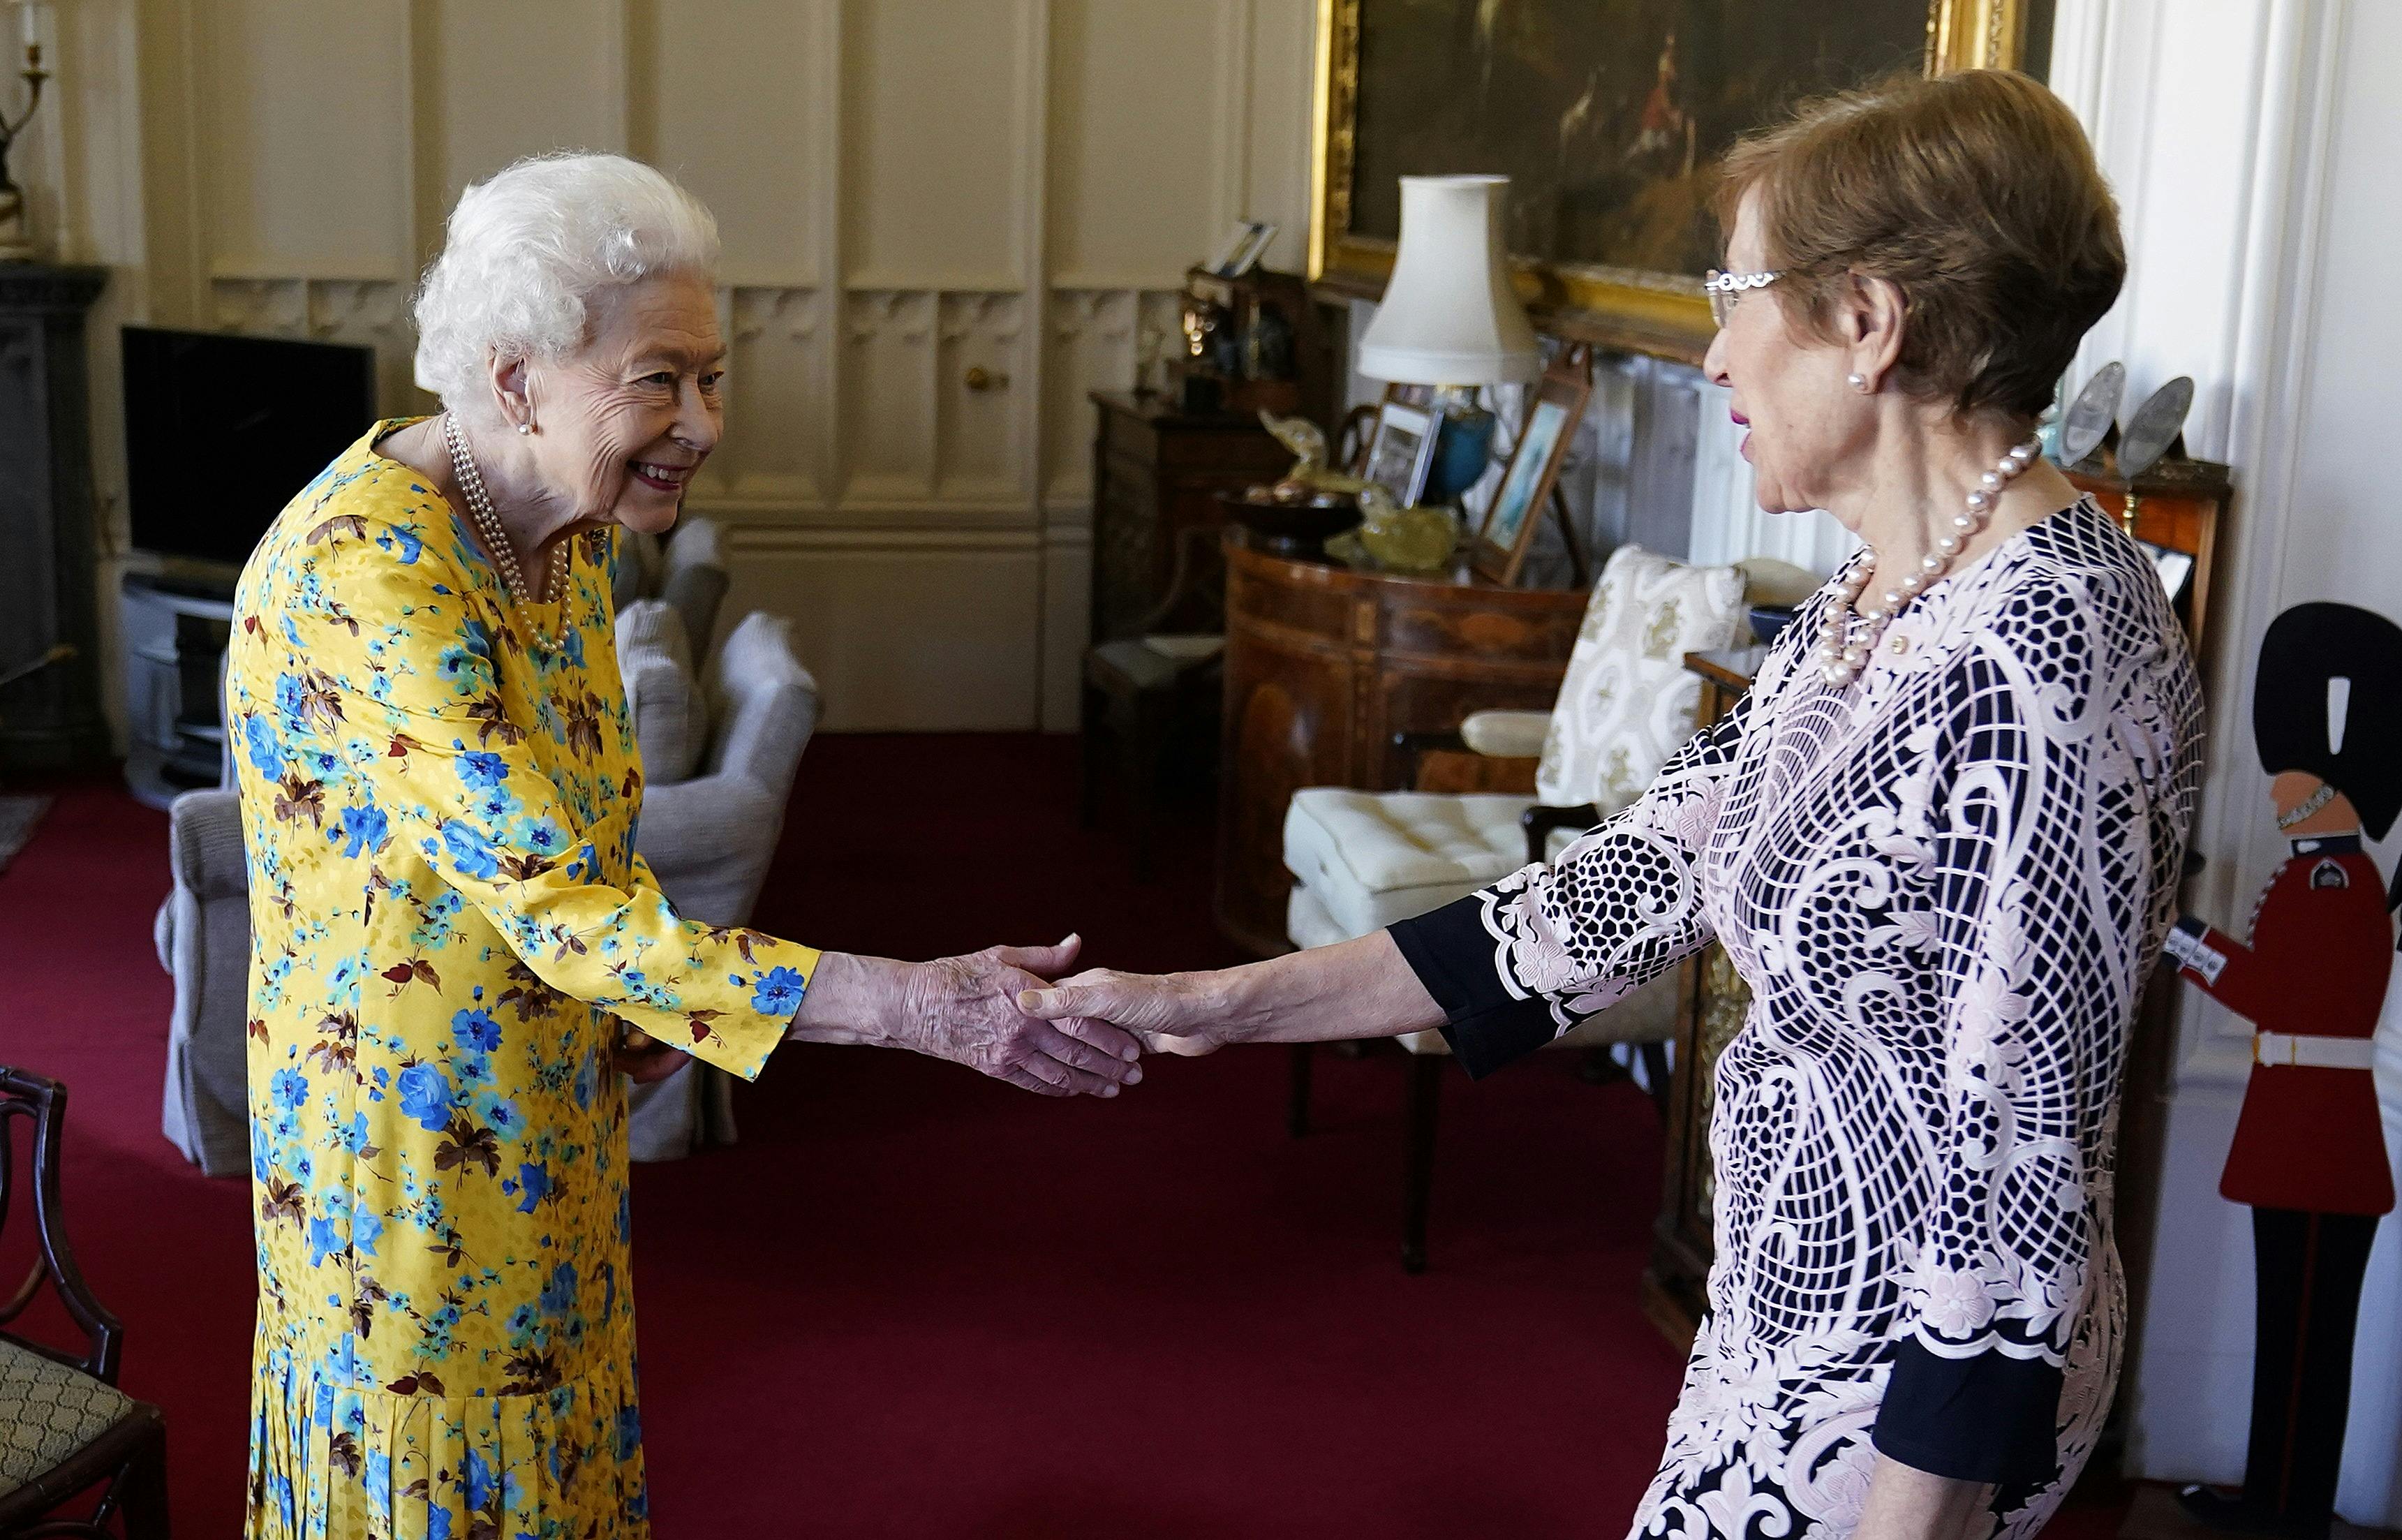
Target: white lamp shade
point(1449, 315)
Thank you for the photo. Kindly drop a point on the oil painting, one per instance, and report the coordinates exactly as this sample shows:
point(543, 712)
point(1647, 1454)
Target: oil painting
point(1609, 118)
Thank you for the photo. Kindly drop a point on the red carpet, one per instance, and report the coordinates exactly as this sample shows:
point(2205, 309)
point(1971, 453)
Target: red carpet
point(917, 1303)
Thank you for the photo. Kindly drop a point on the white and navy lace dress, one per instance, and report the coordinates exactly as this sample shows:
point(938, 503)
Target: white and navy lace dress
point(1944, 885)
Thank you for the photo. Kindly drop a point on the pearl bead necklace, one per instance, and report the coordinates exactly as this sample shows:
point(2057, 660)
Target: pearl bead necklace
point(1843, 645)
point(496, 539)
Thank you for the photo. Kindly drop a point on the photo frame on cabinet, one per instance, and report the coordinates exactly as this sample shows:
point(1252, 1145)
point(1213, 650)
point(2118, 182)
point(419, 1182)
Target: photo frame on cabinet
point(1402, 450)
point(1554, 409)
point(1246, 243)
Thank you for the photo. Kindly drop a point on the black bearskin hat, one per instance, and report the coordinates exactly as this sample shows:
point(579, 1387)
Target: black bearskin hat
point(2359, 754)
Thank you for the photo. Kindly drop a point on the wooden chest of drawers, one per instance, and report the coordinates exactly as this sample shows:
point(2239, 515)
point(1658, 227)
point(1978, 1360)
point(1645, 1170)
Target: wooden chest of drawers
point(1158, 471)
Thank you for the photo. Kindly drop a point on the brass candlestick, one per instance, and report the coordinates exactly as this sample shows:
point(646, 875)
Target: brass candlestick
point(16, 241)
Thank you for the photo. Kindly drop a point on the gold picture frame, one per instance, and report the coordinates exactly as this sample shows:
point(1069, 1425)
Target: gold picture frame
point(1661, 314)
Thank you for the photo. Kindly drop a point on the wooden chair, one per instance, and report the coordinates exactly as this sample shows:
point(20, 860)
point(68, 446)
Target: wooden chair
point(64, 1426)
point(1142, 691)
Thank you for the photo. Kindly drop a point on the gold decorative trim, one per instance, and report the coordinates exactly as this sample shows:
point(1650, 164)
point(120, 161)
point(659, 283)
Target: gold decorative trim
point(1655, 312)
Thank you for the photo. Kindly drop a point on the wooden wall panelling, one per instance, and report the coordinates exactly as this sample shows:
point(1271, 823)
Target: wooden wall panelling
point(508, 81)
point(905, 630)
point(771, 460)
point(301, 169)
point(1066, 590)
point(888, 396)
point(983, 453)
point(1100, 338)
point(935, 155)
point(907, 189)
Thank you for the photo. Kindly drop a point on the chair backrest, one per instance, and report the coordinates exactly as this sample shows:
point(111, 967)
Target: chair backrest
point(1195, 602)
point(692, 578)
point(1628, 701)
point(766, 705)
point(41, 1104)
point(663, 690)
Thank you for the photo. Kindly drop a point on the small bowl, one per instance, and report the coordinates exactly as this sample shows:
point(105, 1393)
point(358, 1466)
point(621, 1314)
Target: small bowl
point(1768, 619)
point(1294, 528)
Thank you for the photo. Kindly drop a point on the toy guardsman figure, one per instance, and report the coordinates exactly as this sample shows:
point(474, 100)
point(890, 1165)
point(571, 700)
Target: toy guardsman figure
point(2308, 1154)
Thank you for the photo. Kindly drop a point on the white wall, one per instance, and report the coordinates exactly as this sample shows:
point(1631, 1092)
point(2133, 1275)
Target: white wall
point(907, 187)
point(2252, 144)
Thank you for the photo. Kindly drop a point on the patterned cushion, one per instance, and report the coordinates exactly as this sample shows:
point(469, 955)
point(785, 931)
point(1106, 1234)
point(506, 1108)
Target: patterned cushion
point(48, 1411)
point(1627, 703)
point(670, 711)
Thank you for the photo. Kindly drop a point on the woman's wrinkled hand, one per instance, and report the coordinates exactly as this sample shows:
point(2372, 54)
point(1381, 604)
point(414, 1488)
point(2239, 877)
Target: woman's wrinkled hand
point(967, 1009)
point(1167, 1012)
point(646, 1059)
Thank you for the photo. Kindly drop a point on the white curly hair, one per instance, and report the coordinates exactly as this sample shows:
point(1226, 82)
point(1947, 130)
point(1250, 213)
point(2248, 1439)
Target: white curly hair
point(527, 248)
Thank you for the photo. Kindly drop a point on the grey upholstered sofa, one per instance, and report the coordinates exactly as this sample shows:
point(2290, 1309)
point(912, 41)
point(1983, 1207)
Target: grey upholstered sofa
point(709, 835)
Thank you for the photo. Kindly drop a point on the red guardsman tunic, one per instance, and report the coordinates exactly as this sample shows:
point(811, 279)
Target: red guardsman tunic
point(2322, 948)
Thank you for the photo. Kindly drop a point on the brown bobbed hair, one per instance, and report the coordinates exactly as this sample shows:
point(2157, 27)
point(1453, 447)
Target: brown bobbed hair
point(1976, 194)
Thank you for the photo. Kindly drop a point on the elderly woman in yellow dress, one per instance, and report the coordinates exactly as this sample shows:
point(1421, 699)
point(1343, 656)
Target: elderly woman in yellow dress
point(456, 943)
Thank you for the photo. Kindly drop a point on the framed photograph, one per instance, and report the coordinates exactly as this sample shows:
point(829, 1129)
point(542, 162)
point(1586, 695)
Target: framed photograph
point(1244, 247)
point(1609, 118)
point(1236, 239)
point(1553, 412)
point(1400, 450)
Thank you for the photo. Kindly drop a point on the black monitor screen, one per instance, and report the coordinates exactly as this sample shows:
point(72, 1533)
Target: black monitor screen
point(221, 431)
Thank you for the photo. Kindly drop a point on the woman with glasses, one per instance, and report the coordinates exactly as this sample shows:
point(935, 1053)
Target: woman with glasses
point(1938, 839)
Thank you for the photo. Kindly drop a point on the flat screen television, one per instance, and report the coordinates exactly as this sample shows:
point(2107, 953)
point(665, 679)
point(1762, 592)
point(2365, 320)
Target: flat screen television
point(221, 431)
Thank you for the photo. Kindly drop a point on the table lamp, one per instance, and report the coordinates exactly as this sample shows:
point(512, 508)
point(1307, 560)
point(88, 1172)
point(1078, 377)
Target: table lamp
point(1450, 319)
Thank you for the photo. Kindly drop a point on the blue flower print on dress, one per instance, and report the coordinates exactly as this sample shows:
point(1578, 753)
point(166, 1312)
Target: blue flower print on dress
point(289, 1089)
point(265, 754)
point(425, 1095)
point(533, 1185)
point(778, 992)
point(471, 852)
point(558, 1293)
point(401, 543)
point(475, 1028)
point(480, 768)
point(361, 830)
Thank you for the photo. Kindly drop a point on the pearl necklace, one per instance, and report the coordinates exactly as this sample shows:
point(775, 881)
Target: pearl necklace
point(496, 539)
point(1843, 645)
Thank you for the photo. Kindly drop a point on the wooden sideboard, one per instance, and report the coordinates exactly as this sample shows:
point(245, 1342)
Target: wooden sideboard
point(1325, 665)
point(1156, 473)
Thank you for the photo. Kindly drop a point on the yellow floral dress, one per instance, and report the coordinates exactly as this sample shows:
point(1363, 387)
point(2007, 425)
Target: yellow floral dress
point(448, 919)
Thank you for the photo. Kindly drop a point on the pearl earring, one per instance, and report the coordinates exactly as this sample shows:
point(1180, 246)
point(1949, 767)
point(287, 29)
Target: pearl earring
point(525, 427)
point(1857, 381)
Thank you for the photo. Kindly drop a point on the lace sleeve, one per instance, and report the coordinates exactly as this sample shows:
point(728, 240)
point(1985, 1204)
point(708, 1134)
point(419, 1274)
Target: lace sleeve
point(1528, 958)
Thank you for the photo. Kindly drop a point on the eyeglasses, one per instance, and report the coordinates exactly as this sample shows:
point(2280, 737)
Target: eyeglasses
point(1725, 288)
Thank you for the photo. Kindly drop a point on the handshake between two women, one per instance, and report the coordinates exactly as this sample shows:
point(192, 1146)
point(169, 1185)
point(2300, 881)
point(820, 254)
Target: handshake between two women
point(999, 1010)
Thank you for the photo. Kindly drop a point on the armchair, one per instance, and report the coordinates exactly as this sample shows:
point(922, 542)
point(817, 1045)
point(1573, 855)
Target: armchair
point(709, 841)
point(1362, 860)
